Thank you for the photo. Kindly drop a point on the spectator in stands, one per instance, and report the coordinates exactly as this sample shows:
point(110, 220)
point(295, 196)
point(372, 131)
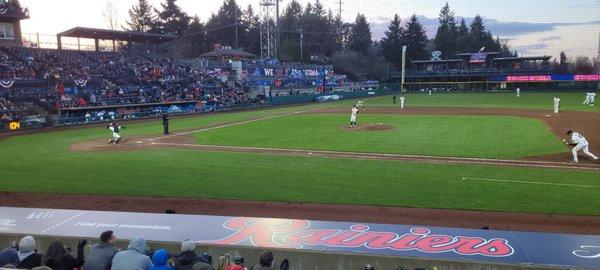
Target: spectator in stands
point(188, 258)
point(101, 254)
point(9, 258)
point(28, 256)
point(160, 260)
point(266, 261)
point(239, 263)
point(133, 258)
point(58, 258)
point(202, 266)
point(225, 262)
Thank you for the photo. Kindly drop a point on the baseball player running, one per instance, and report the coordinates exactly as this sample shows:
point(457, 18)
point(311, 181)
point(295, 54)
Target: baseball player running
point(592, 98)
point(579, 143)
point(402, 98)
point(556, 103)
point(115, 129)
point(518, 92)
point(353, 116)
point(588, 99)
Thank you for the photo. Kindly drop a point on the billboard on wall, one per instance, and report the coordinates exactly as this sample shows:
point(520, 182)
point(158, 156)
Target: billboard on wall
point(545, 78)
point(488, 246)
point(478, 58)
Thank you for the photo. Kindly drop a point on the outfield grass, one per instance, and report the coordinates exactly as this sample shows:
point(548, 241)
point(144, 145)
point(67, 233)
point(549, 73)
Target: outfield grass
point(542, 101)
point(433, 135)
point(43, 163)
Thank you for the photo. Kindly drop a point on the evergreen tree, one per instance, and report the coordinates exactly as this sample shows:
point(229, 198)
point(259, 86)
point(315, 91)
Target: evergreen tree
point(225, 21)
point(290, 21)
point(360, 38)
point(445, 38)
point(171, 20)
point(196, 39)
point(416, 40)
point(141, 17)
point(391, 44)
point(463, 44)
point(478, 35)
point(251, 26)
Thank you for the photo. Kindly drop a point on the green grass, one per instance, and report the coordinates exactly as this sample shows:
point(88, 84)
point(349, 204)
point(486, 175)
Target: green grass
point(542, 101)
point(43, 163)
point(433, 135)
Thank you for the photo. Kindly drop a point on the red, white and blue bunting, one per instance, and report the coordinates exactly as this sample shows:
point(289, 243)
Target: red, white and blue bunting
point(6, 83)
point(81, 82)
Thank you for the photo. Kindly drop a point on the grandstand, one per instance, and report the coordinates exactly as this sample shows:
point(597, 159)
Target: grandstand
point(484, 71)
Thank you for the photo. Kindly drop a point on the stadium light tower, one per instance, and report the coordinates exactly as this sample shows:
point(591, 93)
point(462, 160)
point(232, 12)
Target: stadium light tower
point(268, 29)
point(403, 68)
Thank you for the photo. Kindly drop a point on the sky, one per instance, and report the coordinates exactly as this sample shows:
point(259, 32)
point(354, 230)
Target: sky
point(532, 27)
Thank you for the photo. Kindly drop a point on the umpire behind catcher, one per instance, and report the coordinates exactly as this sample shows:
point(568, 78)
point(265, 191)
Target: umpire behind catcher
point(165, 122)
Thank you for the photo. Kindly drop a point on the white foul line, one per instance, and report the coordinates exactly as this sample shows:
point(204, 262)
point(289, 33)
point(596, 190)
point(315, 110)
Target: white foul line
point(233, 124)
point(378, 156)
point(527, 182)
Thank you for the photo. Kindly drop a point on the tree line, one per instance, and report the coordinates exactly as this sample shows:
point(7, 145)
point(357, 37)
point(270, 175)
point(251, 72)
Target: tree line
point(312, 33)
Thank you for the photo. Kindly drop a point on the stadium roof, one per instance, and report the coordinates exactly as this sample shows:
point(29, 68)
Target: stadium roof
point(107, 34)
point(469, 54)
point(228, 53)
point(531, 58)
point(436, 61)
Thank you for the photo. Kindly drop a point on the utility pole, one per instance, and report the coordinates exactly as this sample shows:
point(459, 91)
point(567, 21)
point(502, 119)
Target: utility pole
point(340, 9)
point(403, 68)
point(277, 28)
point(598, 60)
point(301, 44)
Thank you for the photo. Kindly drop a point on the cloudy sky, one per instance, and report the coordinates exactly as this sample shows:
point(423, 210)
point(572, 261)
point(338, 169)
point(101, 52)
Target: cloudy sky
point(532, 27)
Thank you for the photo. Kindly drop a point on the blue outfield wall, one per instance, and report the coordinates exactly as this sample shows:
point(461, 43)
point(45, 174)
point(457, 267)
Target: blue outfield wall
point(420, 242)
point(302, 98)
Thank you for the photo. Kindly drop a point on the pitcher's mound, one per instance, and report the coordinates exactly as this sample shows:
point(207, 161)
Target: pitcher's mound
point(367, 127)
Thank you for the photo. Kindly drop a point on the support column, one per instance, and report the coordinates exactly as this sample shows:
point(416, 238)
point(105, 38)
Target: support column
point(59, 42)
point(96, 44)
point(114, 46)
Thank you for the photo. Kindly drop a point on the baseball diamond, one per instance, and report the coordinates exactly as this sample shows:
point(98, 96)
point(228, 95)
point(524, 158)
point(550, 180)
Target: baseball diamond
point(299, 134)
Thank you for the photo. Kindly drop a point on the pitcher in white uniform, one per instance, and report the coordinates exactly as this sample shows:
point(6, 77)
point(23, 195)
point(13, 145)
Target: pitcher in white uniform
point(518, 92)
point(353, 116)
point(580, 143)
point(556, 101)
point(402, 98)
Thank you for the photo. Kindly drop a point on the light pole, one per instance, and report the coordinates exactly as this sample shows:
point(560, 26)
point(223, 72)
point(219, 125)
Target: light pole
point(403, 68)
point(301, 44)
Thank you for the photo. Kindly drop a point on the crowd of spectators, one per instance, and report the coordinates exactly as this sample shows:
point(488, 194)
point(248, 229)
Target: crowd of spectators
point(137, 256)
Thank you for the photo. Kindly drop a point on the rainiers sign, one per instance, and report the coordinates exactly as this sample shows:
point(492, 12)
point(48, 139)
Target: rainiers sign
point(485, 246)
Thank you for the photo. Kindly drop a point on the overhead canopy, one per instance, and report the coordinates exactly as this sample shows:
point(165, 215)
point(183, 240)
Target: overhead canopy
point(228, 53)
point(532, 58)
point(469, 54)
point(436, 61)
point(107, 34)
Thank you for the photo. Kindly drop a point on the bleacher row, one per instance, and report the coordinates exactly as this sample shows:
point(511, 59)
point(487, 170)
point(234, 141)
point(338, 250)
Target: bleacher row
point(45, 81)
point(106, 255)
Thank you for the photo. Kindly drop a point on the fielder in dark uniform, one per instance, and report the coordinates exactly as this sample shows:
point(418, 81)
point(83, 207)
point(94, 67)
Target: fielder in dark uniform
point(165, 123)
point(394, 99)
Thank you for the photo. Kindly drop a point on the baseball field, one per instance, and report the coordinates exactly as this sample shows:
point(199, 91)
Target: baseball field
point(480, 151)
